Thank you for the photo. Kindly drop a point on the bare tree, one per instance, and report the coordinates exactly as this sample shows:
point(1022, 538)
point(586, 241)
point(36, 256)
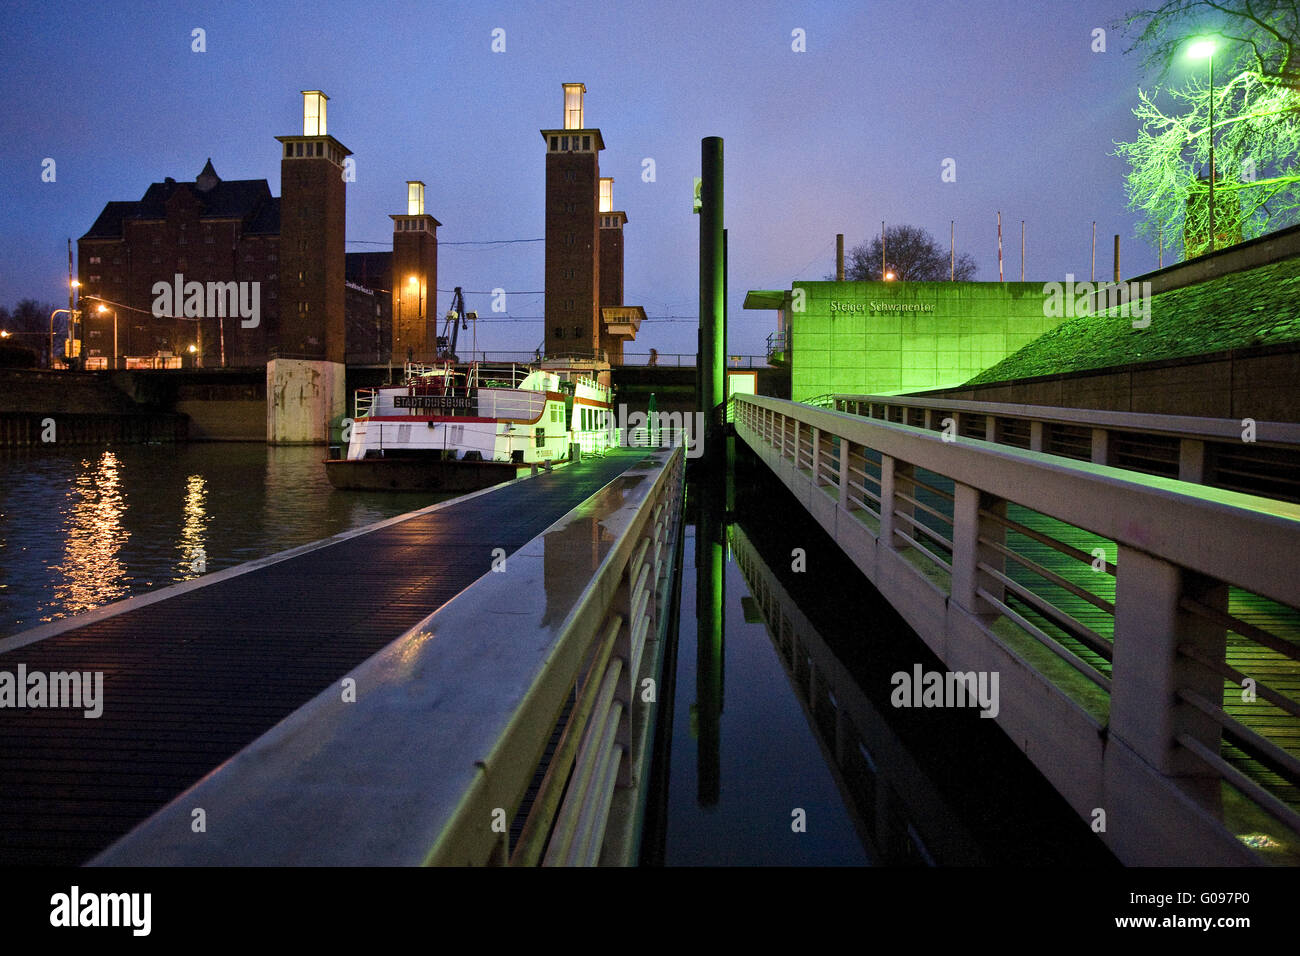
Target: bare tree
point(911, 254)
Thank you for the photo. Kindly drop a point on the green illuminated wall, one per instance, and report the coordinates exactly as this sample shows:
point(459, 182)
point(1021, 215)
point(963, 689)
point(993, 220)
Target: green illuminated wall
point(957, 329)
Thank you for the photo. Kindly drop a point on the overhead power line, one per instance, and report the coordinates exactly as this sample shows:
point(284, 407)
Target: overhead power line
point(465, 242)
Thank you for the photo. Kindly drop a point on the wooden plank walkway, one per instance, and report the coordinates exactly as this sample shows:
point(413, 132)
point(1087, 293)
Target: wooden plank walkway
point(192, 679)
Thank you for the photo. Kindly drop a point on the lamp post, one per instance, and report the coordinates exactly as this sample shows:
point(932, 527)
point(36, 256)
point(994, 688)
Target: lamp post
point(101, 310)
point(73, 284)
point(52, 315)
point(1203, 49)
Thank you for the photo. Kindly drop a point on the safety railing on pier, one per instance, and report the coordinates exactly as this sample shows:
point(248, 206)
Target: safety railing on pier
point(514, 725)
point(1256, 457)
point(1163, 610)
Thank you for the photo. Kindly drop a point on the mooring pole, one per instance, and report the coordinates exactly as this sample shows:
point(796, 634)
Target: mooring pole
point(712, 358)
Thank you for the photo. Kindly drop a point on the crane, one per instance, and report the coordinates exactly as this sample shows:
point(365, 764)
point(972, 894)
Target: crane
point(457, 319)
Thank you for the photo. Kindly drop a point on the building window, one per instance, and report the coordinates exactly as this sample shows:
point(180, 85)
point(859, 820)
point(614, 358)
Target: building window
point(555, 143)
point(94, 260)
point(302, 308)
point(570, 176)
point(577, 332)
point(94, 278)
point(568, 238)
point(270, 257)
point(156, 260)
point(564, 142)
point(209, 239)
point(297, 149)
point(586, 142)
point(568, 304)
point(558, 332)
point(288, 150)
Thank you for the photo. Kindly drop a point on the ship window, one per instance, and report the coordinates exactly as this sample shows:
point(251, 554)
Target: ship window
point(539, 436)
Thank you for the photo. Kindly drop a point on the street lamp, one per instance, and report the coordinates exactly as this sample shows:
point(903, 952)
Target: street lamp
point(1202, 49)
point(101, 310)
point(52, 332)
point(73, 312)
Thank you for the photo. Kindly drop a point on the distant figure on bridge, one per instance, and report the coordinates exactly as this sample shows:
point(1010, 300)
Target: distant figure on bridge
point(654, 357)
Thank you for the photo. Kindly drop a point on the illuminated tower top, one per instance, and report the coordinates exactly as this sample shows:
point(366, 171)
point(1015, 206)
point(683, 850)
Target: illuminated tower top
point(313, 112)
point(573, 136)
point(573, 93)
point(315, 142)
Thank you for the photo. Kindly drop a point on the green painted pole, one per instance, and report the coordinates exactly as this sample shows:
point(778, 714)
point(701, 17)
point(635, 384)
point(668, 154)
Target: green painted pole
point(712, 357)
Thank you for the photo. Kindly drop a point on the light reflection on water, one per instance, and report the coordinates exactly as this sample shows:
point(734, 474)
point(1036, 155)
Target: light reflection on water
point(82, 527)
point(91, 572)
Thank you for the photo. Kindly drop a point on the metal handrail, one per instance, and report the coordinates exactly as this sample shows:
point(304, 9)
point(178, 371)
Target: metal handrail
point(477, 706)
point(1149, 519)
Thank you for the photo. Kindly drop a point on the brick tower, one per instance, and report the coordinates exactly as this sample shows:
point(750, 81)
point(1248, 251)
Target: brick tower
point(572, 231)
point(415, 278)
point(305, 378)
point(312, 197)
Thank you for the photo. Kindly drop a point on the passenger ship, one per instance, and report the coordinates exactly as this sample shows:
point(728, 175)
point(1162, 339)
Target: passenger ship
point(461, 427)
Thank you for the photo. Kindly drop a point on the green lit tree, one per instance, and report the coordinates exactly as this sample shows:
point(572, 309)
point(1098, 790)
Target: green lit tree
point(1256, 104)
point(910, 253)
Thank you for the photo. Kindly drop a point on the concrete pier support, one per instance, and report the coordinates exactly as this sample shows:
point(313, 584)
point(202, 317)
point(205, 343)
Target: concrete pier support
point(302, 398)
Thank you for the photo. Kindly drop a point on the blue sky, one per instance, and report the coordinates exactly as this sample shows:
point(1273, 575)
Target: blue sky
point(835, 139)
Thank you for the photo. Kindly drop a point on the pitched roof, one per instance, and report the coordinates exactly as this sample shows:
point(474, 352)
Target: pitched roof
point(246, 199)
point(1240, 310)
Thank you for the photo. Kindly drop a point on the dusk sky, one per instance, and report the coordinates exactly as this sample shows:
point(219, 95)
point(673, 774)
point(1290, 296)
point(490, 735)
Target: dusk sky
point(835, 139)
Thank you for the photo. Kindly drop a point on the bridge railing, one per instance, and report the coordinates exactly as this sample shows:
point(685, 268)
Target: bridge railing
point(1256, 457)
point(436, 750)
point(1153, 590)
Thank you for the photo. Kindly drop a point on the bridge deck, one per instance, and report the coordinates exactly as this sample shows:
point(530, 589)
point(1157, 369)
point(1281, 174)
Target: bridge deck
point(192, 679)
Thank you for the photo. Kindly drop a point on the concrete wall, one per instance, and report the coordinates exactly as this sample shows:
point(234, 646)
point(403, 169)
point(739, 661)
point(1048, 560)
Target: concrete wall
point(303, 398)
point(1263, 384)
point(944, 333)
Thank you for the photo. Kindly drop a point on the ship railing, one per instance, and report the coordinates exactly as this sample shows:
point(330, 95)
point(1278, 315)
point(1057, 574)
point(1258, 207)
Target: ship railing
point(453, 723)
point(364, 401)
point(511, 403)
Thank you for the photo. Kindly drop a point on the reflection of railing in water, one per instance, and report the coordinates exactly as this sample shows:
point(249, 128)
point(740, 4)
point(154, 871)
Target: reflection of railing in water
point(1100, 584)
point(880, 782)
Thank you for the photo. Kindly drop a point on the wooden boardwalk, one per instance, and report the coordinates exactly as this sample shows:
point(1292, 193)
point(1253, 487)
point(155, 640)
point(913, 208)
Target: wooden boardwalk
point(192, 679)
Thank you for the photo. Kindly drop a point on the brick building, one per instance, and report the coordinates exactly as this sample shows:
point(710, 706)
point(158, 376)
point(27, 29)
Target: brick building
point(311, 299)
